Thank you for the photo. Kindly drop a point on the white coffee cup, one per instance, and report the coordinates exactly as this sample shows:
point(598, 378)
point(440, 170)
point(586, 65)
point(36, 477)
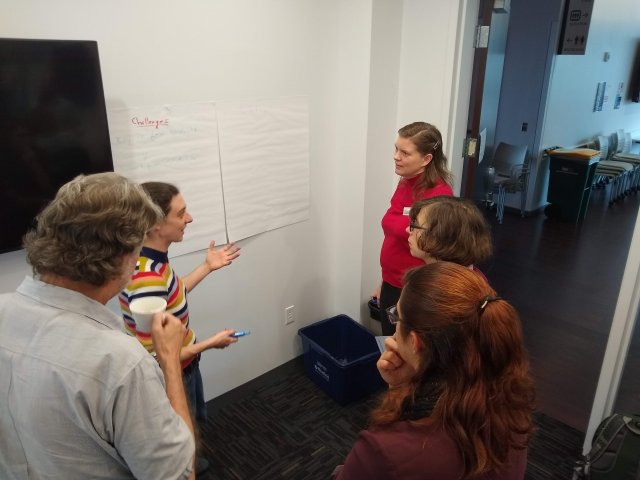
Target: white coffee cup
point(143, 310)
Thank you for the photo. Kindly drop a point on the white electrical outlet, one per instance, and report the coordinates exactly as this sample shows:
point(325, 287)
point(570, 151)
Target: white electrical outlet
point(288, 315)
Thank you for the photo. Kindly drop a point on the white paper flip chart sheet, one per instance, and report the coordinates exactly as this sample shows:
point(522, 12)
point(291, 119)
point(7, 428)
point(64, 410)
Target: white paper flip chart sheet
point(176, 144)
point(264, 151)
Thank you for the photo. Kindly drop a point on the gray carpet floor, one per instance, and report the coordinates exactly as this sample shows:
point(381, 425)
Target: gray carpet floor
point(282, 426)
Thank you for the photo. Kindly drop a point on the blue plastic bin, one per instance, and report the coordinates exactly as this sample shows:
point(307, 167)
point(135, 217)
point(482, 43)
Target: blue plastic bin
point(340, 357)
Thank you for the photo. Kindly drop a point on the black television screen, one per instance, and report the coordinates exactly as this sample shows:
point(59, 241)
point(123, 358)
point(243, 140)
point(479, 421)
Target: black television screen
point(53, 126)
point(634, 82)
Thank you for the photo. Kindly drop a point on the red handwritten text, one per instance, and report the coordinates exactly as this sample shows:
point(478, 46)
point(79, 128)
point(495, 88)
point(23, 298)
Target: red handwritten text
point(147, 122)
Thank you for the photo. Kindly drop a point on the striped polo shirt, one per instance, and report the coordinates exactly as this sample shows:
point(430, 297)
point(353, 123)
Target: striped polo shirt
point(154, 277)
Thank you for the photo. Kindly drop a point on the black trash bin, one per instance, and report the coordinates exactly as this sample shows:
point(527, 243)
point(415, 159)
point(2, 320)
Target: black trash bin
point(571, 173)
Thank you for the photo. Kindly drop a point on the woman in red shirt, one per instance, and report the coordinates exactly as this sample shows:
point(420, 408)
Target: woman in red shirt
point(422, 166)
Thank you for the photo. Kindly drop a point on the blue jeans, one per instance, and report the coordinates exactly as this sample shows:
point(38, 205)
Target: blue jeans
point(194, 390)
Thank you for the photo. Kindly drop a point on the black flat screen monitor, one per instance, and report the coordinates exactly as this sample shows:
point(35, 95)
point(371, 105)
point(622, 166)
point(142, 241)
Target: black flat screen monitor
point(53, 126)
point(634, 81)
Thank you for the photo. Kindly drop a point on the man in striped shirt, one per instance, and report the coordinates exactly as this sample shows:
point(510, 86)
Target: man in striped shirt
point(154, 276)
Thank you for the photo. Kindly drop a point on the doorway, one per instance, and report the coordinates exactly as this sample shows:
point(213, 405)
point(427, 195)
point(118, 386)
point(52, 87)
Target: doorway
point(560, 339)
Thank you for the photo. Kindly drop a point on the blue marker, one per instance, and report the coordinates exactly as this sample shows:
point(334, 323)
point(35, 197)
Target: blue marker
point(240, 333)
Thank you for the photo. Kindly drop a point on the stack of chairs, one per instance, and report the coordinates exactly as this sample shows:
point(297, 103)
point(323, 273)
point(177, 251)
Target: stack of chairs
point(622, 147)
point(618, 174)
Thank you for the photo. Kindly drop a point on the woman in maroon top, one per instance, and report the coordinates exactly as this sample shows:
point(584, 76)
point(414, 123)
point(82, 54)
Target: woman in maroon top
point(460, 398)
point(449, 229)
point(422, 166)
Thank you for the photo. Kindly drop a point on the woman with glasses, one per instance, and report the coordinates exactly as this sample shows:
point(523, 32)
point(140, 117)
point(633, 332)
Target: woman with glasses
point(449, 229)
point(460, 398)
point(422, 167)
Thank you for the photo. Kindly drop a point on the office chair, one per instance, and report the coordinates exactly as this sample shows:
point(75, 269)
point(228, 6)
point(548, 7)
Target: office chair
point(511, 175)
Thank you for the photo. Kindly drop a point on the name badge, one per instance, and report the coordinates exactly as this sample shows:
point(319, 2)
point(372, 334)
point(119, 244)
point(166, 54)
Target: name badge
point(406, 210)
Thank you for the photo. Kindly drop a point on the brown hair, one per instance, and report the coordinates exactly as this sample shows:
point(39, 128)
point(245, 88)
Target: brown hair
point(428, 140)
point(455, 230)
point(161, 193)
point(476, 355)
point(89, 226)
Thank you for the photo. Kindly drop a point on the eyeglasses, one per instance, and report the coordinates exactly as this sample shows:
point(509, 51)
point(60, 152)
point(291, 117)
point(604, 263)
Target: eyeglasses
point(392, 315)
point(413, 226)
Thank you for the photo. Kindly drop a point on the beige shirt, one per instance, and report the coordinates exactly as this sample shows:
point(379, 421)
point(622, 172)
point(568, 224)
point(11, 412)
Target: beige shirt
point(78, 397)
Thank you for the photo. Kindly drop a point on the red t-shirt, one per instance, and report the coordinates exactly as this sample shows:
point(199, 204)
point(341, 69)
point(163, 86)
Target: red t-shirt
point(395, 257)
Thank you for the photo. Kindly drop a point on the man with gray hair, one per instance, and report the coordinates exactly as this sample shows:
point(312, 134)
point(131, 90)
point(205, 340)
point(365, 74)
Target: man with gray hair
point(78, 397)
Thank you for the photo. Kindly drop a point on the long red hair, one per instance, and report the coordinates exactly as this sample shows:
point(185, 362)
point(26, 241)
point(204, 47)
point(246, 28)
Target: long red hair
point(477, 357)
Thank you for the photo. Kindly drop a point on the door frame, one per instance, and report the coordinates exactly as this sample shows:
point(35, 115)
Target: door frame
point(620, 335)
point(470, 162)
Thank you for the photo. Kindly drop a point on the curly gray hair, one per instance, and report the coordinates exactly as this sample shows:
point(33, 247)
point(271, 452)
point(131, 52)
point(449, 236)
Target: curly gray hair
point(89, 226)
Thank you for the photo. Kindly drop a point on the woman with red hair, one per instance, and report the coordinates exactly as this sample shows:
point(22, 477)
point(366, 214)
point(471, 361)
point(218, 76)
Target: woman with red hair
point(460, 398)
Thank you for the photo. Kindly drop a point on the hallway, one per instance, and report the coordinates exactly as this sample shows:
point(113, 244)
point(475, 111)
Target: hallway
point(564, 280)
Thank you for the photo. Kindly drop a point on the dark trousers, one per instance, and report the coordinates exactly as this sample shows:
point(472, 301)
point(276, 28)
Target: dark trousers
point(389, 296)
point(194, 390)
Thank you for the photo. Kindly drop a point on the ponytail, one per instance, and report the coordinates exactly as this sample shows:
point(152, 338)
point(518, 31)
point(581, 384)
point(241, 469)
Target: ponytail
point(499, 337)
point(474, 351)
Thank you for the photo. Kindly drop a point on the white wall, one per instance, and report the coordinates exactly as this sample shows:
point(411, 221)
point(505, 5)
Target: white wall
point(347, 48)
point(569, 118)
point(429, 59)
point(172, 52)
point(382, 125)
point(368, 67)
